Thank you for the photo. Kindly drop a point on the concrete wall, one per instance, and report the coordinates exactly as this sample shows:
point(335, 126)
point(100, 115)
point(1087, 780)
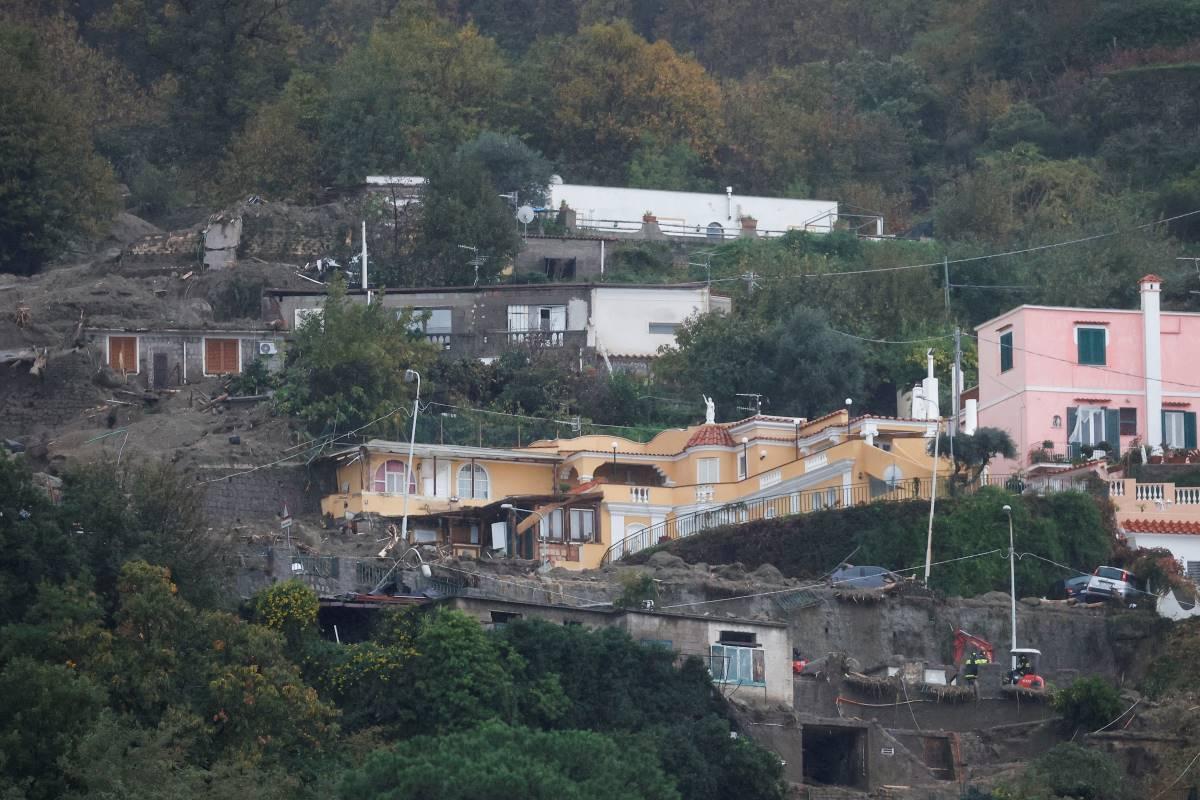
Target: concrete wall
point(692, 209)
point(589, 254)
point(28, 403)
point(184, 352)
point(688, 636)
point(622, 317)
point(259, 495)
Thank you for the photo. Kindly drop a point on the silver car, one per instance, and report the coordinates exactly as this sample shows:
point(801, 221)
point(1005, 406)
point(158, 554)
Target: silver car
point(1111, 583)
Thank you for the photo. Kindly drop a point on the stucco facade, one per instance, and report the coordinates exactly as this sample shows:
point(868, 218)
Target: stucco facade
point(171, 357)
point(590, 499)
point(1083, 376)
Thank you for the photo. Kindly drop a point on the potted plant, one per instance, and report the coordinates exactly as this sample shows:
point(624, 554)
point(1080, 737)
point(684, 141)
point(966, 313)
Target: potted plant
point(649, 219)
point(1048, 444)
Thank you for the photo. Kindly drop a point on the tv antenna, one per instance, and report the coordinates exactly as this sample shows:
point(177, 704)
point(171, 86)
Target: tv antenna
point(475, 260)
point(755, 399)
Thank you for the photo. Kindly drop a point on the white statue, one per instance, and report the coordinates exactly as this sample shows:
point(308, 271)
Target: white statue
point(710, 410)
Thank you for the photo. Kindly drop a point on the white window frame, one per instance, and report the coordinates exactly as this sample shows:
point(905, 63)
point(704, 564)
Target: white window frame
point(1088, 428)
point(580, 513)
point(1172, 419)
point(701, 468)
point(137, 351)
point(204, 353)
point(472, 487)
point(1078, 328)
point(743, 464)
point(387, 478)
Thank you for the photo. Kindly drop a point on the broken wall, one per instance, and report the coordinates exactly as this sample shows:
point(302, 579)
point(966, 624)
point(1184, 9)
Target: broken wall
point(259, 495)
point(29, 403)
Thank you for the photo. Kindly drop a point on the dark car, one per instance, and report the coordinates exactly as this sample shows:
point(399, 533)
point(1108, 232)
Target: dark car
point(1069, 589)
point(849, 576)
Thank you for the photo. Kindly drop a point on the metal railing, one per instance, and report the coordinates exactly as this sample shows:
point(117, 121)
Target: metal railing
point(803, 502)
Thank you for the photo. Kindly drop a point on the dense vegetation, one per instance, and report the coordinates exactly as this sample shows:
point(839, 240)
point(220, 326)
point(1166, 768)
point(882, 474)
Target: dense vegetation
point(1069, 528)
point(123, 673)
point(995, 125)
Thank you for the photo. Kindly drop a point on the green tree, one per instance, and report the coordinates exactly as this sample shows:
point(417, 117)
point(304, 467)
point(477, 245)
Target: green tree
point(417, 87)
point(1072, 771)
point(513, 165)
point(973, 452)
point(346, 366)
point(510, 764)
point(44, 710)
point(460, 209)
point(1088, 703)
point(53, 186)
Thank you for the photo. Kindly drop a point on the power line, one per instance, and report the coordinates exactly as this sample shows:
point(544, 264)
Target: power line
point(1100, 367)
point(894, 341)
point(1004, 254)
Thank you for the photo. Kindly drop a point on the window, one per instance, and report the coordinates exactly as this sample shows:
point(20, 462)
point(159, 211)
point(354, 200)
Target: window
point(1179, 429)
point(559, 268)
point(504, 617)
point(472, 482)
point(742, 464)
point(537, 318)
point(389, 478)
point(664, 328)
point(474, 533)
point(1091, 343)
point(1091, 425)
point(550, 526)
point(123, 354)
point(583, 525)
point(430, 320)
point(222, 357)
point(1128, 422)
point(1006, 351)
point(708, 470)
point(1193, 570)
point(741, 665)
point(738, 638)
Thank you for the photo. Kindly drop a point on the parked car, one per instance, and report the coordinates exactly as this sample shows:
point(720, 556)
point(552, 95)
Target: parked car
point(1111, 583)
point(1069, 589)
point(849, 576)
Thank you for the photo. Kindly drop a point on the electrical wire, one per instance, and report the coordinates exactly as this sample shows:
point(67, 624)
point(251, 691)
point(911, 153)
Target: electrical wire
point(893, 341)
point(970, 259)
point(1100, 367)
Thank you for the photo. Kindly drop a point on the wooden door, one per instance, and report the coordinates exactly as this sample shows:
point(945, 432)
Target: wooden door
point(160, 371)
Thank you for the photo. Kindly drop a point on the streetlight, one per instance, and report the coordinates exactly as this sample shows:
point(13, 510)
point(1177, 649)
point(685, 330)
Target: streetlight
point(614, 449)
point(410, 375)
point(1012, 584)
point(544, 549)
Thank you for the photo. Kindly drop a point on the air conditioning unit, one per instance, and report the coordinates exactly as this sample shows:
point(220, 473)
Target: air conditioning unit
point(267, 349)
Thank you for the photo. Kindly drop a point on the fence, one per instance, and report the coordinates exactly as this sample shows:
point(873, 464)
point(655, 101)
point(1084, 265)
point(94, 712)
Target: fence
point(792, 503)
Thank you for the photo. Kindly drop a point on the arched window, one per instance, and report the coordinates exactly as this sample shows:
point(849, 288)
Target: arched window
point(389, 477)
point(714, 231)
point(472, 482)
point(893, 474)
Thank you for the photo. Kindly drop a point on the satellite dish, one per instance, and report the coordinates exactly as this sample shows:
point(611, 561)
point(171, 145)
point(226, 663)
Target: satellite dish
point(525, 214)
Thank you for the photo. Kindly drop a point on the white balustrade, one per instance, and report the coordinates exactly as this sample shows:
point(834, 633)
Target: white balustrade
point(1187, 495)
point(639, 494)
point(1116, 488)
point(770, 479)
point(815, 461)
point(1149, 491)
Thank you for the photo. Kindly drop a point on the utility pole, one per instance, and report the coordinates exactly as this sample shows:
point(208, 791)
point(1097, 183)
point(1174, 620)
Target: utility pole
point(946, 280)
point(956, 381)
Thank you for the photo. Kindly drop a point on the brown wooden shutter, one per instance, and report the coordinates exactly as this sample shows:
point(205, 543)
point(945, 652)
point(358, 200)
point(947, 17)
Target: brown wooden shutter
point(221, 356)
point(122, 354)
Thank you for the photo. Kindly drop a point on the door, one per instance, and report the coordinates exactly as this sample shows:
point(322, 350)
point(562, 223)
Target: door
point(160, 370)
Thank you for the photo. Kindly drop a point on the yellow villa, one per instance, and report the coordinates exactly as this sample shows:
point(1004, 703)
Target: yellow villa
point(581, 502)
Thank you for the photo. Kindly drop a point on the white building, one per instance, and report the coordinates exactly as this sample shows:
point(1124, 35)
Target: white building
point(691, 213)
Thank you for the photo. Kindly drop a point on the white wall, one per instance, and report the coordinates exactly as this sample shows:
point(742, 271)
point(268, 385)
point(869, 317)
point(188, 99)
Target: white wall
point(621, 317)
point(1183, 546)
point(692, 208)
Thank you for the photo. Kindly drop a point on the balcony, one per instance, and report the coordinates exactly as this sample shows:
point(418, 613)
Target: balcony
point(492, 344)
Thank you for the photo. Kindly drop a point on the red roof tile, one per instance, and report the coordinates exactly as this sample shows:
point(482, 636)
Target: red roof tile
point(1161, 526)
point(710, 434)
point(1150, 277)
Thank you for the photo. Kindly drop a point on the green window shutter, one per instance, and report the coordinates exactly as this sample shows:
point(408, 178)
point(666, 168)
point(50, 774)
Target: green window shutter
point(1189, 429)
point(1164, 432)
point(1072, 417)
point(1112, 431)
point(1006, 352)
point(1091, 346)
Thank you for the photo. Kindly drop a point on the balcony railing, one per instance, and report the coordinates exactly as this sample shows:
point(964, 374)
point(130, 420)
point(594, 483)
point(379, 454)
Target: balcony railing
point(639, 494)
point(1158, 493)
point(803, 502)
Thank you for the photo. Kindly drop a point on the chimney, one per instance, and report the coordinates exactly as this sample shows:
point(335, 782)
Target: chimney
point(1151, 287)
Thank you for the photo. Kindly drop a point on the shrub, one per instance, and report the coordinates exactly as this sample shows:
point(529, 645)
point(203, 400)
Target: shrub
point(1089, 703)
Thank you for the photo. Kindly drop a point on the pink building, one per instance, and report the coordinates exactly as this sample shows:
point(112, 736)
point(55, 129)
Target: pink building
point(1074, 377)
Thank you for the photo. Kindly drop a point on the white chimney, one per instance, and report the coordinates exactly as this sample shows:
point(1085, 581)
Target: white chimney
point(929, 389)
point(971, 417)
point(1151, 287)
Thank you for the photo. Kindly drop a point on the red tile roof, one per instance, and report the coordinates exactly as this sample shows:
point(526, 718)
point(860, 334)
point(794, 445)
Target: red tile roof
point(1161, 526)
point(710, 434)
point(1150, 277)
